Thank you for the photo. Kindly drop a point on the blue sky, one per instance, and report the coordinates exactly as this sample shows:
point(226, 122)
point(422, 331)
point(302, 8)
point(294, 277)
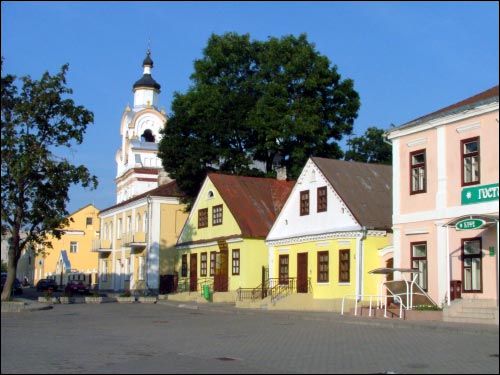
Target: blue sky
point(406, 59)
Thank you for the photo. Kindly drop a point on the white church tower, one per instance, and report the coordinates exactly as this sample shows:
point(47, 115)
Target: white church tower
point(138, 167)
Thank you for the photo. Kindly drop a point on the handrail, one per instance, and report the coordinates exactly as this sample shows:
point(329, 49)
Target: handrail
point(397, 295)
point(282, 289)
point(359, 297)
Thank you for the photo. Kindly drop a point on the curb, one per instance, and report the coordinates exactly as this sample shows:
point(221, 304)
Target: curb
point(20, 306)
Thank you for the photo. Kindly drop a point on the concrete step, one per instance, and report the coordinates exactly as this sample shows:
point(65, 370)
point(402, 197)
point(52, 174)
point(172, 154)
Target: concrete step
point(473, 315)
point(479, 310)
point(470, 320)
point(475, 302)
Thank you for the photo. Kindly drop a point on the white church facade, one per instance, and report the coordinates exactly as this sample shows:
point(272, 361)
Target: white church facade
point(138, 166)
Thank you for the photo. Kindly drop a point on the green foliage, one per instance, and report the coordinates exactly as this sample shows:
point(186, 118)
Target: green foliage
point(37, 120)
point(427, 308)
point(126, 293)
point(370, 148)
point(277, 101)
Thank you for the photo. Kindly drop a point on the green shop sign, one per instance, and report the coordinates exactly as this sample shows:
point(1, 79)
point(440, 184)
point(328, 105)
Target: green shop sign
point(480, 194)
point(468, 224)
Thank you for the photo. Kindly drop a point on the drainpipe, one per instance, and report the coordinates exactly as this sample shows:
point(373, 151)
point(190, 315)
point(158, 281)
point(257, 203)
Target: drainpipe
point(448, 266)
point(362, 260)
point(359, 262)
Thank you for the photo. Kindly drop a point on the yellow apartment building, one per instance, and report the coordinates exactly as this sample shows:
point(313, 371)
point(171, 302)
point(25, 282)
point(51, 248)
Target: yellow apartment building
point(136, 248)
point(71, 256)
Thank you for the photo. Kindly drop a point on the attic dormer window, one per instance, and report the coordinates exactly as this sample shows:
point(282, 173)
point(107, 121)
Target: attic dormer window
point(147, 136)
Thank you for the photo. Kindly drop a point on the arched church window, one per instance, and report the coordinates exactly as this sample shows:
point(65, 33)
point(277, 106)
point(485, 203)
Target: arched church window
point(147, 136)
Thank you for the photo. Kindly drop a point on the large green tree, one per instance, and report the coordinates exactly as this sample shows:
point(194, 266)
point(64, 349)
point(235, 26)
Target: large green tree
point(276, 102)
point(371, 147)
point(37, 120)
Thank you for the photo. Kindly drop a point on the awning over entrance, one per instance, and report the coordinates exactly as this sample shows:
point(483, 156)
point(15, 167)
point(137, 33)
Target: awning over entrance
point(488, 220)
point(387, 271)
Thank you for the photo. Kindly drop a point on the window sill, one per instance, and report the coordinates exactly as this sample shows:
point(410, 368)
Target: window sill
point(344, 284)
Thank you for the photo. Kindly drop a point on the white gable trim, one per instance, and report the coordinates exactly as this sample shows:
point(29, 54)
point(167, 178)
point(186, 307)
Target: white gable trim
point(303, 184)
point(317, 237)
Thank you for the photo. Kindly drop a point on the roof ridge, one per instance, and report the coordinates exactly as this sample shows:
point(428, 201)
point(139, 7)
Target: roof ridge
point(352, 161)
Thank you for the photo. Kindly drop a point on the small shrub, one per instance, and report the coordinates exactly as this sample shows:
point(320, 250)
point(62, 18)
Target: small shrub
point(427, 308)
point(94, 293)
point(126, 294)
point(48, 293)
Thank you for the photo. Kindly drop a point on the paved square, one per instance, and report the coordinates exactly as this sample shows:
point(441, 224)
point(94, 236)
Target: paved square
point(116, 338)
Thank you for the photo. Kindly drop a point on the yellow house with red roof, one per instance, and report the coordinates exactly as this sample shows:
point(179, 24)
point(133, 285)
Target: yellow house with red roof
point(222, 243)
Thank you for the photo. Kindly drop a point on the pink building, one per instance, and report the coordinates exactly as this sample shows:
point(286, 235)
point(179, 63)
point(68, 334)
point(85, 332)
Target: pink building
point(445, 199)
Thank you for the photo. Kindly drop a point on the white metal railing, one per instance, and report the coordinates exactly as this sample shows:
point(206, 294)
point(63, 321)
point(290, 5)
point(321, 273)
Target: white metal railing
point(379, 297)
point(409, 291)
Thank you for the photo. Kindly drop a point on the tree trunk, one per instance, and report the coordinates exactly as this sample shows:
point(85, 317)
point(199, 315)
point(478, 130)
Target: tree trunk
point(14, 254)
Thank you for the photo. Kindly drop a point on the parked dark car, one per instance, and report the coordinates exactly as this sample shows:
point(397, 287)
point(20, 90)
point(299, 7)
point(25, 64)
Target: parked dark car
point(16, 287)
point(46, 284)
point(76, 287)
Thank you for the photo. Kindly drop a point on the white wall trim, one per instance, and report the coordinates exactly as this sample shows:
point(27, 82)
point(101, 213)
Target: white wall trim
point(417, 142)
point(416, 231)
point(449, 212)
point(311, 238)
point(467, 128)
point(386, 251)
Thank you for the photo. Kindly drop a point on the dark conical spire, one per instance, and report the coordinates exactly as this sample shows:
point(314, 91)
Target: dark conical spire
point(148, 61)
point(147, 81)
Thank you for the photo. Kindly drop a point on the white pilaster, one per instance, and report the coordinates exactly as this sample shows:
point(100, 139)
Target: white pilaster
point(396, 178)
point(396, 238)
point(441, 194)
point(442, 261)
point(153, 256)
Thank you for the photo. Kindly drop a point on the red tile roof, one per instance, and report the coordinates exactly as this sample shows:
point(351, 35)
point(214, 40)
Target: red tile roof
point(166, 190)
point(255, 202)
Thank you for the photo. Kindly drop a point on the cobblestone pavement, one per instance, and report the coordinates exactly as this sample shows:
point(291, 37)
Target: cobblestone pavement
point(164, 338)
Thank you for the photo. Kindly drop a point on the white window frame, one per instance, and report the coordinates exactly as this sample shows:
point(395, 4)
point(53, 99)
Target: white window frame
point(140, 272)
point(71, 247)
point(104, 271)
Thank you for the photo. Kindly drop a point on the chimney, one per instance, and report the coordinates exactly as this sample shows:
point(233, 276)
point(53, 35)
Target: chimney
point(281, 174)
point(163, 178)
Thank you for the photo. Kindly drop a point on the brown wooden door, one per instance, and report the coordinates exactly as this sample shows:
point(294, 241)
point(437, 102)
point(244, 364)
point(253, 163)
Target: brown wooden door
point(193, 272)
point(221, 279)
point(302, 273)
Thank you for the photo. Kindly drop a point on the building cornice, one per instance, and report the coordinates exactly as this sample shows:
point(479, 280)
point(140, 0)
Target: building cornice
point(325, 236)
point(445, 120)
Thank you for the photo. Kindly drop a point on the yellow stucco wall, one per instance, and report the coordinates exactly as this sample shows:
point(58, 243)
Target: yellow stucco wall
point(173, 217)
point(253, 256)
point(84, 260)
point(333, 288)
point(253, 252)
point(229, 226)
